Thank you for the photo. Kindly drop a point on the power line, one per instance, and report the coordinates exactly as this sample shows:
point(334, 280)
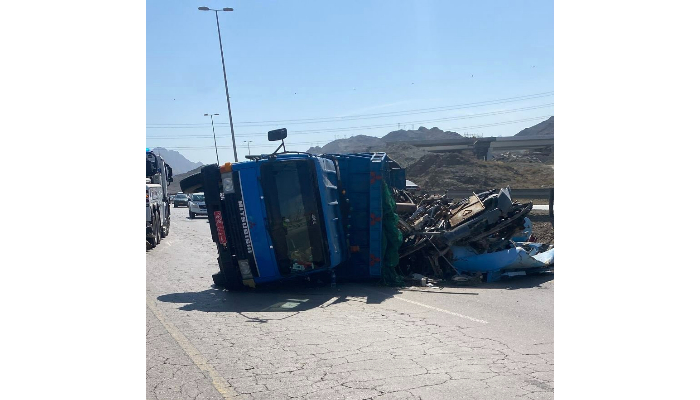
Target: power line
point(368, 116)
point(336, 136)
point(468, 116)
point(316, 143)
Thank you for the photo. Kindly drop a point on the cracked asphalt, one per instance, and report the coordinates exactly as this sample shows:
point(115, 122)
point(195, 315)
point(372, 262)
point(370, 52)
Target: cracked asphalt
point(356, 341)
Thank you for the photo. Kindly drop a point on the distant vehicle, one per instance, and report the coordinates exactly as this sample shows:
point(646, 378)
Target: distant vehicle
point(180, 199)
point(197, 205)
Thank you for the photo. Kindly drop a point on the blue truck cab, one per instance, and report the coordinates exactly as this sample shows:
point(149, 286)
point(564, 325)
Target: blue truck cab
point(291, 215)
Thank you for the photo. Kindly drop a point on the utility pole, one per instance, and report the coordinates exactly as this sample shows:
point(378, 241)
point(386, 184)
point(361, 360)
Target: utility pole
point(249, 142)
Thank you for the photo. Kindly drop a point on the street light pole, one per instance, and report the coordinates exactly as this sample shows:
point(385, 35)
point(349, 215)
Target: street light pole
point(249, 142)
point(223, 66)
point(212, 131)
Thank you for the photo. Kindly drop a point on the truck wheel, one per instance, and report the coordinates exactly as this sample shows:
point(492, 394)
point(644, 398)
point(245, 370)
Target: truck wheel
point(158, 230)
point(219, 279)
point(191, 215)
point(153, 241)
point(166, 228)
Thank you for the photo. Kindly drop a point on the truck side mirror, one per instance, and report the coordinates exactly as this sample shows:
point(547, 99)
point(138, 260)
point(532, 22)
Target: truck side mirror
point(277, 134)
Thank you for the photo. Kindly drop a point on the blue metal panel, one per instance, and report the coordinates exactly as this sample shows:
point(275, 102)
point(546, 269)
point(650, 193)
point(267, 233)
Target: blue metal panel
point(375, 209)
point(256, 215)
point(354, 170)
point(328, 185)
point(362, 176)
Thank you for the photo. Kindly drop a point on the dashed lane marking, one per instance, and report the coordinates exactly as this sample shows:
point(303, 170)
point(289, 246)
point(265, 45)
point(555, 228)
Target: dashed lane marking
point(481, 321)
point(329, 302)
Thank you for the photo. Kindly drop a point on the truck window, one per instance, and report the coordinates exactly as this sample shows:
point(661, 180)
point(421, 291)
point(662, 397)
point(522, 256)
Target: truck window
point(295, 221)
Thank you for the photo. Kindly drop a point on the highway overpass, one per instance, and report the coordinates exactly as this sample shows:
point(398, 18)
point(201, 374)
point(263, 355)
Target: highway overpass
point(485, 147)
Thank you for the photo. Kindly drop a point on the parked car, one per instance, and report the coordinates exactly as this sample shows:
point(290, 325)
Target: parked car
point(197, 205)
point(180, 199)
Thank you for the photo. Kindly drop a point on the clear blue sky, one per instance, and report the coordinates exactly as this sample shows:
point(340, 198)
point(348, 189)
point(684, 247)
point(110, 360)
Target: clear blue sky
point(290, 60)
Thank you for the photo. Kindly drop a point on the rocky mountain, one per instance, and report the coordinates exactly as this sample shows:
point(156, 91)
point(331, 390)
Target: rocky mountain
point(364, 143)
point(541, 129)
point(177, 161)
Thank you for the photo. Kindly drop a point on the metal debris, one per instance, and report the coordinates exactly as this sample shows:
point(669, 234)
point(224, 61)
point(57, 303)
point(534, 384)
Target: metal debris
point(484, 235)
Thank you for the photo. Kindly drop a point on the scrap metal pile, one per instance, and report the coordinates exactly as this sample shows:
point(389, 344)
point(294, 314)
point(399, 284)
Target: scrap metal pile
point(481, 237)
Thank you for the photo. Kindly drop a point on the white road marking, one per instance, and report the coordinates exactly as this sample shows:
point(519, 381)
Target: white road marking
point(481, 321)
point(217, 380)
point(329, 302)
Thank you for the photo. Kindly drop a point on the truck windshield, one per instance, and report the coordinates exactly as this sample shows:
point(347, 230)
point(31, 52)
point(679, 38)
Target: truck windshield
point(295, 220)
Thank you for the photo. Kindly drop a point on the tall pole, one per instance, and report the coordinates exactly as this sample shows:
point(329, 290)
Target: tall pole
point(212, 131)
point(228, 99)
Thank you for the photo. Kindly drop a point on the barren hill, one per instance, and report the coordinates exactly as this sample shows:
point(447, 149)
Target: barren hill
point(364, 143)
point(541, 129)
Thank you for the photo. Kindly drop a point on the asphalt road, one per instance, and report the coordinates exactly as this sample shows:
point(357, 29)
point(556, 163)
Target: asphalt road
point(355, 341)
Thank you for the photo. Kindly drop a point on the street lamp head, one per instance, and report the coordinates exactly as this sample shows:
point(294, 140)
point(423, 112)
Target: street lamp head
point(215, 114)
point(228, 9)
point(203, 8)
point(206, 115)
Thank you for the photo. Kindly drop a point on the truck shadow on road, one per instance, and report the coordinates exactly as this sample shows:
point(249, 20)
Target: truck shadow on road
point(288, 299)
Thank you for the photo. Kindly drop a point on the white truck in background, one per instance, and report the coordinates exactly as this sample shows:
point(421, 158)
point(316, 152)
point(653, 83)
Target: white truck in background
point(158, 177)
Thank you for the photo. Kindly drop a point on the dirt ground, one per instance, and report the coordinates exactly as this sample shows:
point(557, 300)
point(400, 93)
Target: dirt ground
point(463, 171)
point(542, 227)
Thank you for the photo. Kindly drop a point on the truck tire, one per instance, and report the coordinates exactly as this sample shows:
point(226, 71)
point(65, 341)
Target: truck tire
point(166, 228)
point(156, 232)
point(193, 183)
point(219, 279)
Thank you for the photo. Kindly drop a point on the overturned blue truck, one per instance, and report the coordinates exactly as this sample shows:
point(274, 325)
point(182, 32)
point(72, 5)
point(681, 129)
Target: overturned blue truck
point(290, 215)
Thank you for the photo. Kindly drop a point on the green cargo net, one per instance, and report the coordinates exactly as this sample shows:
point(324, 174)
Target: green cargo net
point(391, 240)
